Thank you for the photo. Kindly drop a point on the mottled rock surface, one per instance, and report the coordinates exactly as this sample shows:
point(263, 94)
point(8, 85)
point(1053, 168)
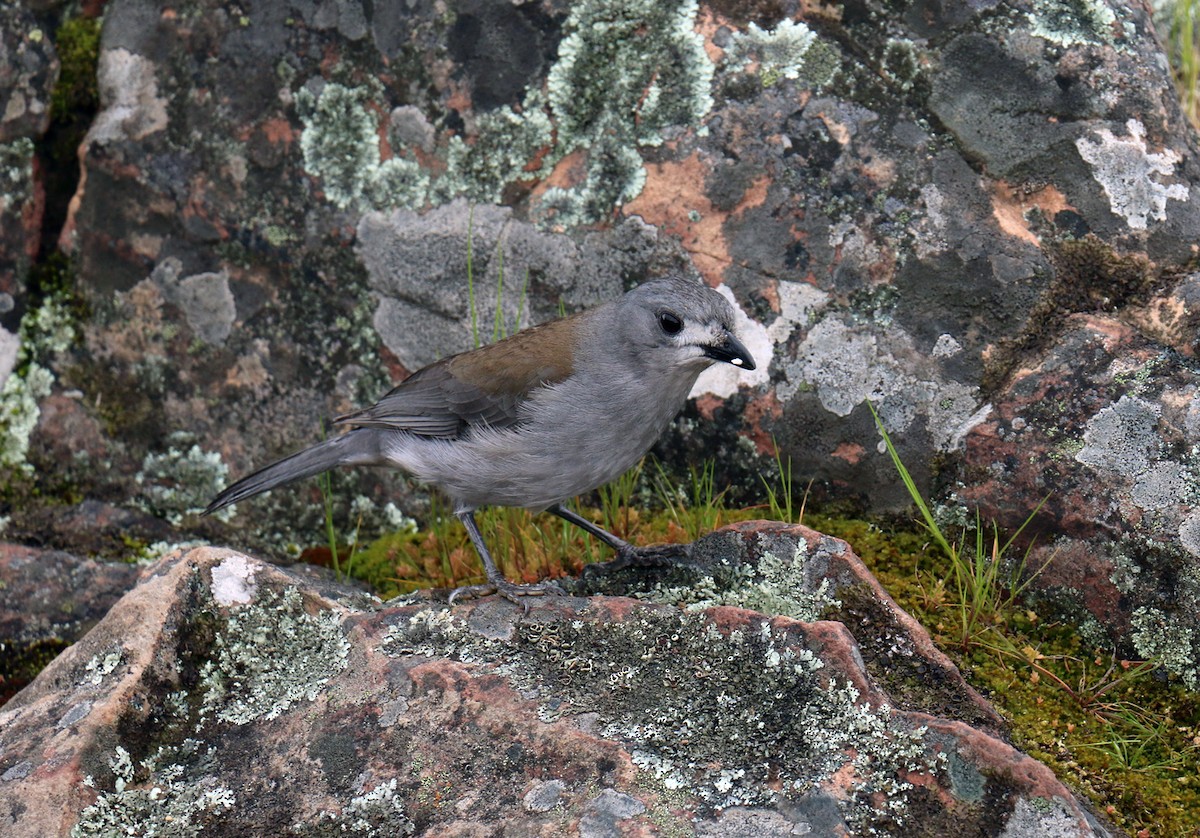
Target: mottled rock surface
point(225, 696)
point(48, 599)
point(915, 205)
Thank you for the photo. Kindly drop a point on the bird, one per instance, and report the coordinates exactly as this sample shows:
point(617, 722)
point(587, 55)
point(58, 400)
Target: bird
point(551, 412)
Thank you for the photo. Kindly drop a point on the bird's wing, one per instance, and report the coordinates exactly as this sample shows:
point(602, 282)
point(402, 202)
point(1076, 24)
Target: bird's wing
point(483, 387)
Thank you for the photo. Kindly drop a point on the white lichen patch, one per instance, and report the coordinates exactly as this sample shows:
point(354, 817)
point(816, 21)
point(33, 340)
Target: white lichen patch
point(789, 51)
point(165, 805)
point(775, 586)
point(233, 581)
point(270, 655)
point(847, 364)
point(1122, 441)
point(1131, 174)
point(129, 89)
point(180, 482)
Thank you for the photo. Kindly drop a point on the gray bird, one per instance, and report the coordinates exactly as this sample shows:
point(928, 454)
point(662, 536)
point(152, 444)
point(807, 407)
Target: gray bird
point(549, 413)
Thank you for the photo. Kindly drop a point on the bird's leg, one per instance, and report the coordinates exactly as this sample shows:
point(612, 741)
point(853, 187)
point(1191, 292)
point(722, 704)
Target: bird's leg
point(627, 554)
point(496, 583)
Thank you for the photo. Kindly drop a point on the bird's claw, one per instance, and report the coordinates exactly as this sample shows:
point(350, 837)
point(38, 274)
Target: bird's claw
point(656, 555)
point(509, 590)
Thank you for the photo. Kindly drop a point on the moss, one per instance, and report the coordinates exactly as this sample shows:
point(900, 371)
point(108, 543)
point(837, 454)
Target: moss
point(722, 715)
point(77, 44)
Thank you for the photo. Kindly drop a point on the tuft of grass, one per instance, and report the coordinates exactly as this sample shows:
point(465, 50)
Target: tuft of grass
point(982, 591)
point(1184, 53)
point(698, 508)
point(779, 492)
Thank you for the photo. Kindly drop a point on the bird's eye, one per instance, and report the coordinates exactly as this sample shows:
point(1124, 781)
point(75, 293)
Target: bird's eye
point(670, 323)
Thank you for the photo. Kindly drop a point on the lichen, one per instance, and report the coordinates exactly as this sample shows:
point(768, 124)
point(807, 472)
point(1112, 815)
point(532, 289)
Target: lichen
point(724, 715)
point(1170, 641)
point(180, 482)
point(1130, 174)
point(340, 144)
point(775, 586)
point(270, 655)
point(45, 332)
point(1070, 22)
point(626, 73)
point(16, 172)
point(376, 813)
point(789, 51)
point(165, 805)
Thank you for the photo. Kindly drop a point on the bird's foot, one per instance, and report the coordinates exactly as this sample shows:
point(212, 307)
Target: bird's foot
point(654, 555)
point(509, 590)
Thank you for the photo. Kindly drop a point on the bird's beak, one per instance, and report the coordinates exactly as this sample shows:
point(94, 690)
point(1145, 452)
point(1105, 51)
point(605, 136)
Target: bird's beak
point(731, 351)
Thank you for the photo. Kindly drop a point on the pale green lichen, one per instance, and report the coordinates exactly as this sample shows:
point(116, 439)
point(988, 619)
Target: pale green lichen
point(789, 51)
point(163, 806)
point(180, 482)
point(340, 143)
point(270, 655)
point(44, 333)
point(101, 666)
point(727, 716)
point(1070, 22)
point(16, 173)
point(1170, 641)
point(379, 812)
point(775, 586)
point(626, 73)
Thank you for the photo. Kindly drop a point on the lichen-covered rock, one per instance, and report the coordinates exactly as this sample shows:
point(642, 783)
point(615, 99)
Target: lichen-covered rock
point(285, 209)
point(28, 70)
point(48, 599)
point(1105, 428)
point(225, 696)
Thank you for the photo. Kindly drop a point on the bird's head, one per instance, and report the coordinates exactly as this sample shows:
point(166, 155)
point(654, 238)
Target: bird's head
point(679, 323)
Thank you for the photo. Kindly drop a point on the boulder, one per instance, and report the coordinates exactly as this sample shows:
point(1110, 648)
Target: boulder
point(226, 696)
point(285, 210)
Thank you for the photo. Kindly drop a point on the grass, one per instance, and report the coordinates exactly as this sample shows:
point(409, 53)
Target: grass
point(1184, 53)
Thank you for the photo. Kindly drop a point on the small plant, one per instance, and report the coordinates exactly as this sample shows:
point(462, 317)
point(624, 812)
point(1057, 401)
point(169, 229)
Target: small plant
point(779, 500)
point(697, 510)
point(982, 594)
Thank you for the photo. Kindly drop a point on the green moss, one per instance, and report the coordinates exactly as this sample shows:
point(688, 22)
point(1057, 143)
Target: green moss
point(77, 44)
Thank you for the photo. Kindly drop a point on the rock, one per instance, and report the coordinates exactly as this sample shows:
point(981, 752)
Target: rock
point(226, 696)
point(910, 205)
point(1104, 428)
point(28, 70)
point(48, 599)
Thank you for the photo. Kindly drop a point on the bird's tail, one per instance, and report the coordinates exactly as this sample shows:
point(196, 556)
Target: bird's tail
point(357, 448)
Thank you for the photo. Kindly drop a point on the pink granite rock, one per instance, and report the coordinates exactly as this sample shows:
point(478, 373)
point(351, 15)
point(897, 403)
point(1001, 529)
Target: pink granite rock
point(225, 696)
